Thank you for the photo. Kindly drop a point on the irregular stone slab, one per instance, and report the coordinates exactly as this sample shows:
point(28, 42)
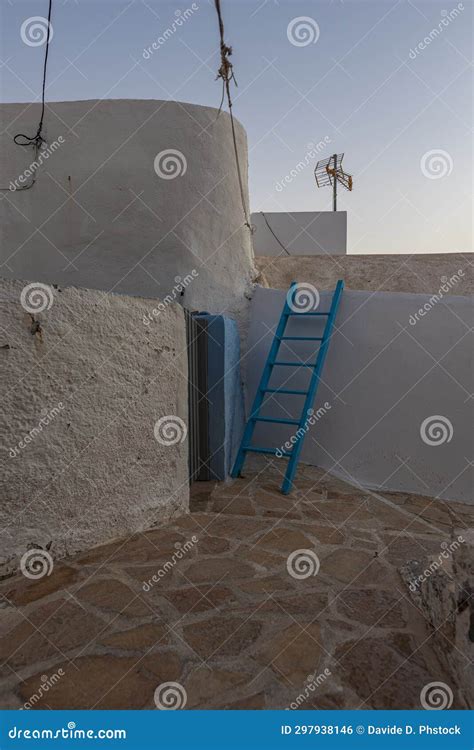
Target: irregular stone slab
point(326, 534)
point(102, 682)
point(382, 609)
point(222, 636)
point(236, 528)
point(239, 506)
point(211, 684)
point(262, 557)
point(200, 598)
point(115, 596)
point(252, 703)
point(140, 638)
point(309, 604)
point(285, 540)
point(428, 508)
point(212, 545)
point(165, 666)
point(133, 549)
point(353, 565)
point(269, 584)
point(293, 653)
point(382, 678)
point(164, 541)
point(392, 518)
point(341, 513)
point(24, 591)
point(219, 569)
point(327, 702)
point(167, 577)
point(55, 629)
point(193, 523)
point(264, 499)
point(399, 550)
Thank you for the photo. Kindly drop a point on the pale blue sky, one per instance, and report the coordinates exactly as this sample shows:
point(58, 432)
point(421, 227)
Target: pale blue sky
point(357, 86)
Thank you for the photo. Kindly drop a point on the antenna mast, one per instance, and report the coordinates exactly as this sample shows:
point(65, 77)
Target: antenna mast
point(329, 172)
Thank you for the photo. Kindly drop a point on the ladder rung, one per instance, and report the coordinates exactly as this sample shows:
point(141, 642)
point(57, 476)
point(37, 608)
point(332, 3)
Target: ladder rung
point(272, 419)
point(271, 361)
point(301, 338)
point(309, 313)
point(285, 390)
point(294, 364)
point(271, 451)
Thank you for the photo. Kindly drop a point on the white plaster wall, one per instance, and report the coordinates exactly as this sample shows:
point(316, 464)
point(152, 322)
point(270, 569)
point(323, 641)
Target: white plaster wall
point(96, 471)
point(383, 377)
point(301, 233)
point(99, 216)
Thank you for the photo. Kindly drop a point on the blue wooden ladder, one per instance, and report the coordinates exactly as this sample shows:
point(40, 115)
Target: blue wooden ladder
point(289, 310)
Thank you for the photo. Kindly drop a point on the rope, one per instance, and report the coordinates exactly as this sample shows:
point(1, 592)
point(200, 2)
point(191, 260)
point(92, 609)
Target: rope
point(226, 73)
point(36, 140)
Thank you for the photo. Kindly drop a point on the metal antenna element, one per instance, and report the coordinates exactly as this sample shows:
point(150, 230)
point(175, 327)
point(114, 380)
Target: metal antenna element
point(329, 172)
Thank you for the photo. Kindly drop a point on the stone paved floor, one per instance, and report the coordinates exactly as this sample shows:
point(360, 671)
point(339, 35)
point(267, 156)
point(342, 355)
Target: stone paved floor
point(239, 621)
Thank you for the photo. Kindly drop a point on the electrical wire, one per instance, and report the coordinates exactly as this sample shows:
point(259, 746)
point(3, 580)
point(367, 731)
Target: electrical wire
point(21, 139)
point(271, 230)
point(226, 72)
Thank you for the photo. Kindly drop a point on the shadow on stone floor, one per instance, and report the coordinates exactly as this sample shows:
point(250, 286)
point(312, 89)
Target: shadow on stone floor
point(254, 600)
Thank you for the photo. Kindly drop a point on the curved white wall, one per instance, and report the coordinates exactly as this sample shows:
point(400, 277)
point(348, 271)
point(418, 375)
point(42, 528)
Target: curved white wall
point(100, 216)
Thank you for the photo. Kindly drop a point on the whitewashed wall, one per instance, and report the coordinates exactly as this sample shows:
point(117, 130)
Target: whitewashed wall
point(102, 216)
point(83, 384)
point(384, 376)
point(300, 232)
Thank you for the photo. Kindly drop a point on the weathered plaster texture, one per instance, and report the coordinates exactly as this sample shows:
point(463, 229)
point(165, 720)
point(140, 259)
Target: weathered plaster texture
point(420, 274)
point(108, 221)
point(383, 377)
point(96, 471)
point(300, 232)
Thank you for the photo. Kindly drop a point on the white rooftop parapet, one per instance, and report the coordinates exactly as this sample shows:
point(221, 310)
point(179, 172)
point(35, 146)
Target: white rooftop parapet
point(300, 233)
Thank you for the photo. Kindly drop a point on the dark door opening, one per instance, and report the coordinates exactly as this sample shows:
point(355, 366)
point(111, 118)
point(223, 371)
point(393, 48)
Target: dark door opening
point(198, 427)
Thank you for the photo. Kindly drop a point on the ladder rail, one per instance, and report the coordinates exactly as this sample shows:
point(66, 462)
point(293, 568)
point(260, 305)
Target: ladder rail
point(312, 389)
point(310, 393)
point(263, 384)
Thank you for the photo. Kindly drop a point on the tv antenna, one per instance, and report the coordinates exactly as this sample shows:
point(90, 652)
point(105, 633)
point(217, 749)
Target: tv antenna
point(330, 172)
